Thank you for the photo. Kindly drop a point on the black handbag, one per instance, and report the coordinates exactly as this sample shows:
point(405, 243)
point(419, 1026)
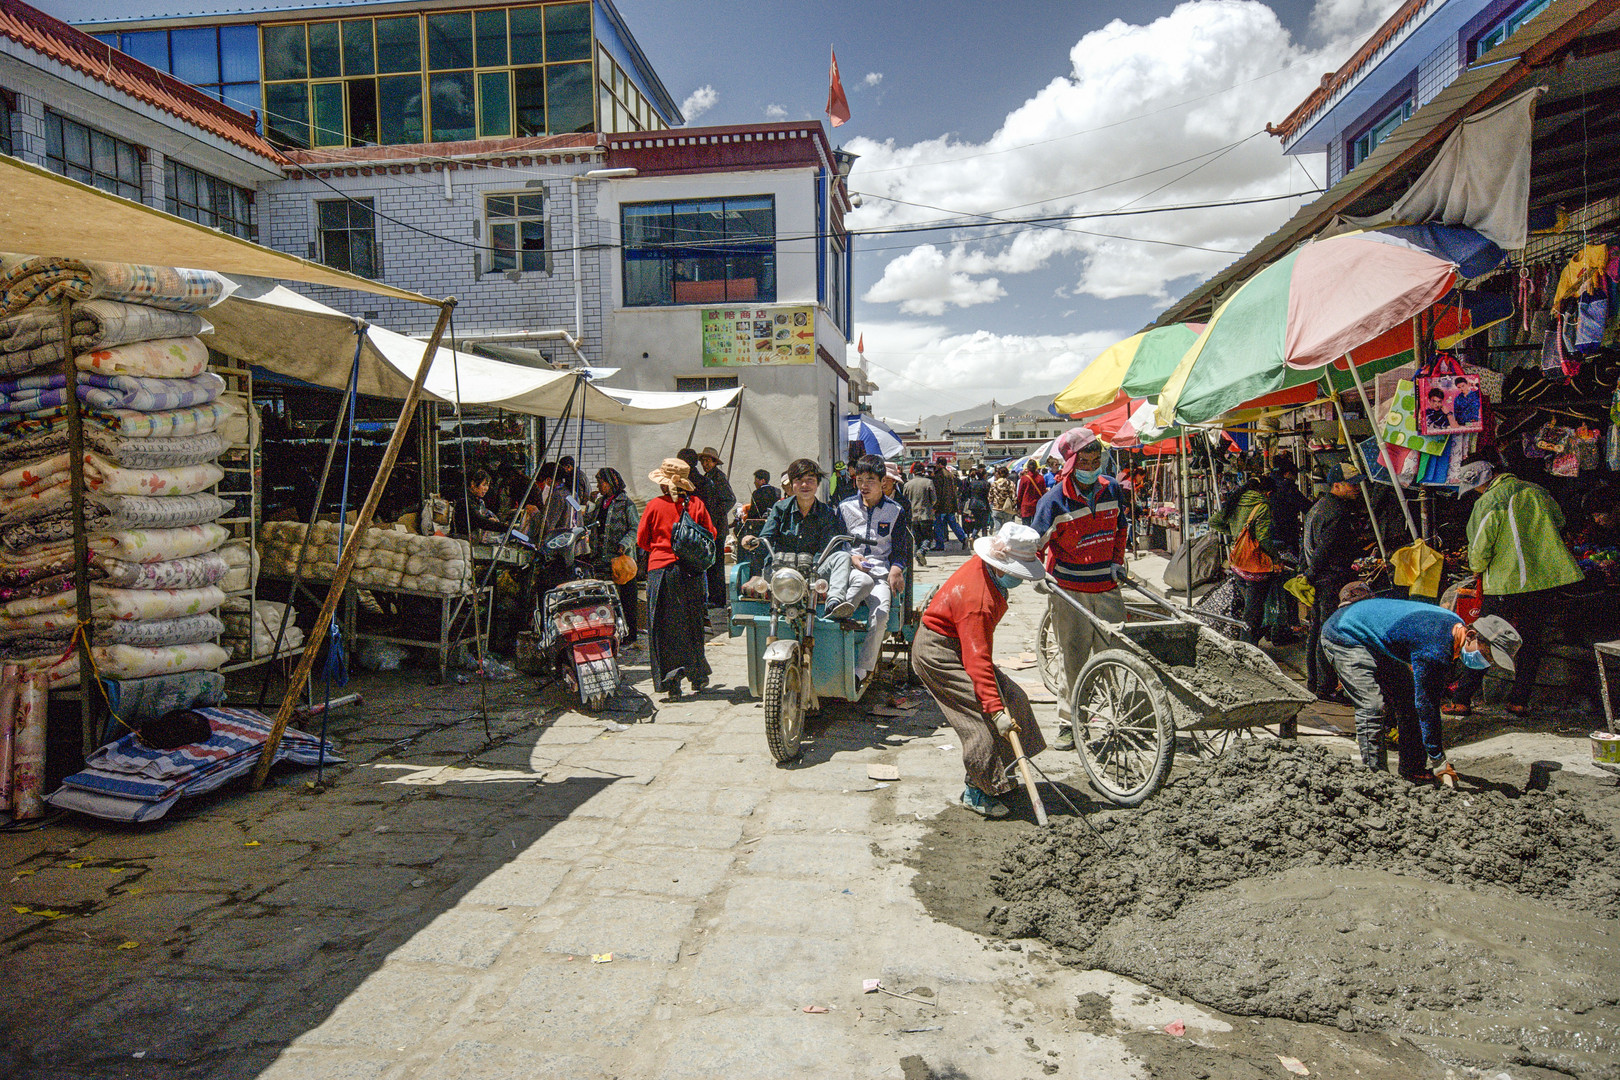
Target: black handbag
point(692, 544)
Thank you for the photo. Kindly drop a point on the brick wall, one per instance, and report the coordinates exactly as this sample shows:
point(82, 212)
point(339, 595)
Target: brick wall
point(1438, 71)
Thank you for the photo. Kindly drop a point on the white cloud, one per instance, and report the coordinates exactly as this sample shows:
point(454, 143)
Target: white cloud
point(1338, 19)
point(924, 368)
point(699, 102)
point(873, 78)
point(775, 112)
point(1139, 107)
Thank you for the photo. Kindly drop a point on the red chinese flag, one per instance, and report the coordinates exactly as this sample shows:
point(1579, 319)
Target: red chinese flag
point(837, 103)
point(860, 346)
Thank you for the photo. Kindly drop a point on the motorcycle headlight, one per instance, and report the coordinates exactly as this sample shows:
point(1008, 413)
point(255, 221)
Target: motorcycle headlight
point(788, 586)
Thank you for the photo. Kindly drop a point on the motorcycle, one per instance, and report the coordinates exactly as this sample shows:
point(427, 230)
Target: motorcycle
point(577, 625)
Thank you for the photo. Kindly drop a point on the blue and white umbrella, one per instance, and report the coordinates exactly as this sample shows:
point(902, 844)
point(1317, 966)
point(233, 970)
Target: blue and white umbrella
point(874, 437)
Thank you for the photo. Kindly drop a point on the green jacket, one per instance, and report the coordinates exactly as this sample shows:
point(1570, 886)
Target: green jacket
point(1514, 541)
point(1253, 503)
point(788, 530)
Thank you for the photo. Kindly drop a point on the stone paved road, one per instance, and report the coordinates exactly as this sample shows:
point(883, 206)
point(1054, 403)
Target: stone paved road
point(433, 913)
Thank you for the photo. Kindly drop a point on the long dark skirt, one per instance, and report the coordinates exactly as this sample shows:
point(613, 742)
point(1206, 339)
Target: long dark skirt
point(677, 623)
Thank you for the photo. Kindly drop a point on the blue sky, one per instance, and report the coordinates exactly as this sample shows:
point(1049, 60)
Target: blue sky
point(1002, 109)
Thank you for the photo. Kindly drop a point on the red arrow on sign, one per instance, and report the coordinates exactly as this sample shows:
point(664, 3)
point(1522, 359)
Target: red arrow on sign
point(805, 334)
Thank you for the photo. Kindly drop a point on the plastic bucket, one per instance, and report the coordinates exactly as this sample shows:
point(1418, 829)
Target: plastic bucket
point(1606, 747)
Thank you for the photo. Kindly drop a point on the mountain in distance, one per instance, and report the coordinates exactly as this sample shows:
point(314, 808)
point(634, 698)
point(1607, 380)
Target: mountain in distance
point(980, 414)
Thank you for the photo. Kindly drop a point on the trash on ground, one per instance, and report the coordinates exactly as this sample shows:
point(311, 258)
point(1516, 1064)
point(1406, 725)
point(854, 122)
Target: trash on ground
point(871, 986)
point(1175, 1027)
point(883, 772)
point(1294, 1065)
point(602, 958)
point(815, 1008)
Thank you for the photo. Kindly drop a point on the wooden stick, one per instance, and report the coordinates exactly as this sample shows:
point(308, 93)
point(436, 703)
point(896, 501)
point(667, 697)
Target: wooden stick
point(81, 544)
point(1028, 777)
point(351, 553)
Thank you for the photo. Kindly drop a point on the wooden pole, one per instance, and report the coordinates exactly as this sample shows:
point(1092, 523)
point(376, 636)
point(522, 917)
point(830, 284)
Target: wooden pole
point(81, 541)
point(1394, 477)
point(1028, 777)
point(351, 553)
point(1186, 512)
point(1362, 484)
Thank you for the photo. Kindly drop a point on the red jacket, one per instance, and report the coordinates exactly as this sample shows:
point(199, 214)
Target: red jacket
point(968, 607)
point(1030, 489)
point(658, 521)
point(1083, 534)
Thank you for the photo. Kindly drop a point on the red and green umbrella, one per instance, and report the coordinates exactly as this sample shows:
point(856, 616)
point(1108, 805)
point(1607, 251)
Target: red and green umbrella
point(1134, 368)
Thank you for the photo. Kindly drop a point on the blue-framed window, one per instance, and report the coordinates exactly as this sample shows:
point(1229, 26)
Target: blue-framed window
point(700, 251)
point(1362, 146)
point(1505, 28)
point(221, 61)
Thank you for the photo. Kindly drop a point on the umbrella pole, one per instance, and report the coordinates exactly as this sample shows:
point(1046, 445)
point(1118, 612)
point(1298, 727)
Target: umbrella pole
point(1394, 477)
point(1186, 514)
point(1366, 493)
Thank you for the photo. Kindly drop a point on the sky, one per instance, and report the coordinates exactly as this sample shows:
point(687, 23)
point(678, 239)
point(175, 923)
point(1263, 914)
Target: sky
point(968, 110)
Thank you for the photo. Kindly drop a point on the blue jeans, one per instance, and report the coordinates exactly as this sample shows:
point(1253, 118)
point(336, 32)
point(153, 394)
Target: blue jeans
point(942, 520)
point(1371, 686)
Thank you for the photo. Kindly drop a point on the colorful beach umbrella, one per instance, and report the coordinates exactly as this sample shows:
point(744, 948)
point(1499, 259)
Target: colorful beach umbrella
point(1136, 367)
point(1305, 313)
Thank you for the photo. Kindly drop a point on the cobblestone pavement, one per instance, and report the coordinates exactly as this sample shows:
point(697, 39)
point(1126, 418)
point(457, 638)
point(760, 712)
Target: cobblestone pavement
point(444, 906)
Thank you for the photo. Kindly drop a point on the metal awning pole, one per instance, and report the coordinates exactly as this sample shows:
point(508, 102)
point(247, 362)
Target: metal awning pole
point(1394, 477)
point(1186, 513)
point(1361, 484)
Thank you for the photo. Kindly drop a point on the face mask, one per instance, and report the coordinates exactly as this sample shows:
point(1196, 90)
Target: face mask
point(1087, 476)
point(1475, 659)
point(1009, 582)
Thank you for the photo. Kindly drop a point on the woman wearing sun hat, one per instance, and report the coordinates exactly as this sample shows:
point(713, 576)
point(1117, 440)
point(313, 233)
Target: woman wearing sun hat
point(676, 618)
point(951, 656)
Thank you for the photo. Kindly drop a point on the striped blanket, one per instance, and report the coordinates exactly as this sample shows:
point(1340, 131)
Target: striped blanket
point(45, 279)
point(128, 781)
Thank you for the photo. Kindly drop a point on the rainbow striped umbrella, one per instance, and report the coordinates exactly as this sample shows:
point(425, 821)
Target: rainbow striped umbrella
point(1134, 368)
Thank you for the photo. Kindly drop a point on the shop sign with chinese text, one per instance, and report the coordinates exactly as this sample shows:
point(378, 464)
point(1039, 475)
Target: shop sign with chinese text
point(758, 336)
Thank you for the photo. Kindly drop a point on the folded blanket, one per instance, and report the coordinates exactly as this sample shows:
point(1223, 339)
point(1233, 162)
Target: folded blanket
point(133, 662)
point(45, 560)
point(129, 781)
point(192, 420)
point(166, 452)
point(166, 358)
point(115, 513)
point(45, 279)
point(45, 586)
point(107, 602)
point(192, 572)
point(186, 630)
point(35, 648)
point(155, 545)
point(148, 395)
point(34, 605)
point(139, 700)
point(34, 336)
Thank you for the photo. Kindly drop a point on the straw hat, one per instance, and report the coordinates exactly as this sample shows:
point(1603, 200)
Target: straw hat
point(1014, 549)
point(709, 452)
point(672, 473)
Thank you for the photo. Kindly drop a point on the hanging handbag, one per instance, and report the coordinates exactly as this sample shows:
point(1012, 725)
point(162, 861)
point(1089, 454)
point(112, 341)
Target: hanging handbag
point(1247, 555)
point(692, 544)
point(1401, 423)
point(1591, 316)
point(1448, 400)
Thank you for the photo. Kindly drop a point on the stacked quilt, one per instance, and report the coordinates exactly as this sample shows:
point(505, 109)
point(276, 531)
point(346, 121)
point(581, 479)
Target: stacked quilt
point(151, 413)
point(390, 557)
point(127, 780)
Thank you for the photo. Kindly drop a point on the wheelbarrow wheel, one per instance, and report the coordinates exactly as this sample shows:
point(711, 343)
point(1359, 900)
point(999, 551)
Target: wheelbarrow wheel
point(784, 709)
point(1217, 741)
point(1124, 731)
point(1049, 655)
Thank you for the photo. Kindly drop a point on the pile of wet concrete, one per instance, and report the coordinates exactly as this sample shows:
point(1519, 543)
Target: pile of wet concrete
point(1286, 880)
point(1269, 806)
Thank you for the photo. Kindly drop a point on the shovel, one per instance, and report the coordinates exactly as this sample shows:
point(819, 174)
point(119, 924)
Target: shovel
point(1028, 777)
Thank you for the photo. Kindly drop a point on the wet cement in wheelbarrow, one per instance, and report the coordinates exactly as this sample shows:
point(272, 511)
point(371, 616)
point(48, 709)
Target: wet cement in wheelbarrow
point(1284, 881)
point(1228, 673)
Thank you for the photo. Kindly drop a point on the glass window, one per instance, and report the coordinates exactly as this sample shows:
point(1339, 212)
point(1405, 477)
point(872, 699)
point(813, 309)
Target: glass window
point(358, 57)
point(149, 47)
point(239, 53)
point(284, 56)
point(286, 114)
point(568, 32)
point(450, 41)
point(494, 104)
point(453, 114)
point(568, 98)
point(348, 235)
point(362, 111)
point(325, 54)
point(399, 110)
point(398, 46)
point(5, 125)
point(328, 113)
point(492, 38)
point(1381, 129)
point(1507, 27)
point(196, 54)
point(528, 35)
point(700, 251)
point(702, 384)
point(196, 196)
point(244, 97)
point(517, 232)
point(530, 98)
point(92, 157)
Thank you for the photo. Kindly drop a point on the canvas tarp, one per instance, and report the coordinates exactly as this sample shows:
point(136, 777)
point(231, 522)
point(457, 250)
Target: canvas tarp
point(271, 326)
point(42, 213)
point(1480, 178)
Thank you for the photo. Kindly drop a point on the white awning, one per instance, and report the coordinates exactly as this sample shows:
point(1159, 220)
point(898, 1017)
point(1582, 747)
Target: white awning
point(271, 326)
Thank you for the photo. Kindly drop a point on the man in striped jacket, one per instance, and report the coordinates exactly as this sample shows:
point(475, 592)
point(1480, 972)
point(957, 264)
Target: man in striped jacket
point(1083, 524)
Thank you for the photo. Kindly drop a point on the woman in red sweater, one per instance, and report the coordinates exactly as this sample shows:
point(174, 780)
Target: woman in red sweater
point(1030, 489)
point(677, 615)
point(951, 656)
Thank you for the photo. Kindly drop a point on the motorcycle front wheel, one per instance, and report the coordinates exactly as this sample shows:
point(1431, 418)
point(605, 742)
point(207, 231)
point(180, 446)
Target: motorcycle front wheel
point(784, 709)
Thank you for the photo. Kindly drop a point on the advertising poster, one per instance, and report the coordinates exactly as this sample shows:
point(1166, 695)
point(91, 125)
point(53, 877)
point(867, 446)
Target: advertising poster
point(759, 336)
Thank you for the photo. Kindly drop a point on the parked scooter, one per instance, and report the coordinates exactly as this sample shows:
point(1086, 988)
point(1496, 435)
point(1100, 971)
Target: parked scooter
point(576, 626)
